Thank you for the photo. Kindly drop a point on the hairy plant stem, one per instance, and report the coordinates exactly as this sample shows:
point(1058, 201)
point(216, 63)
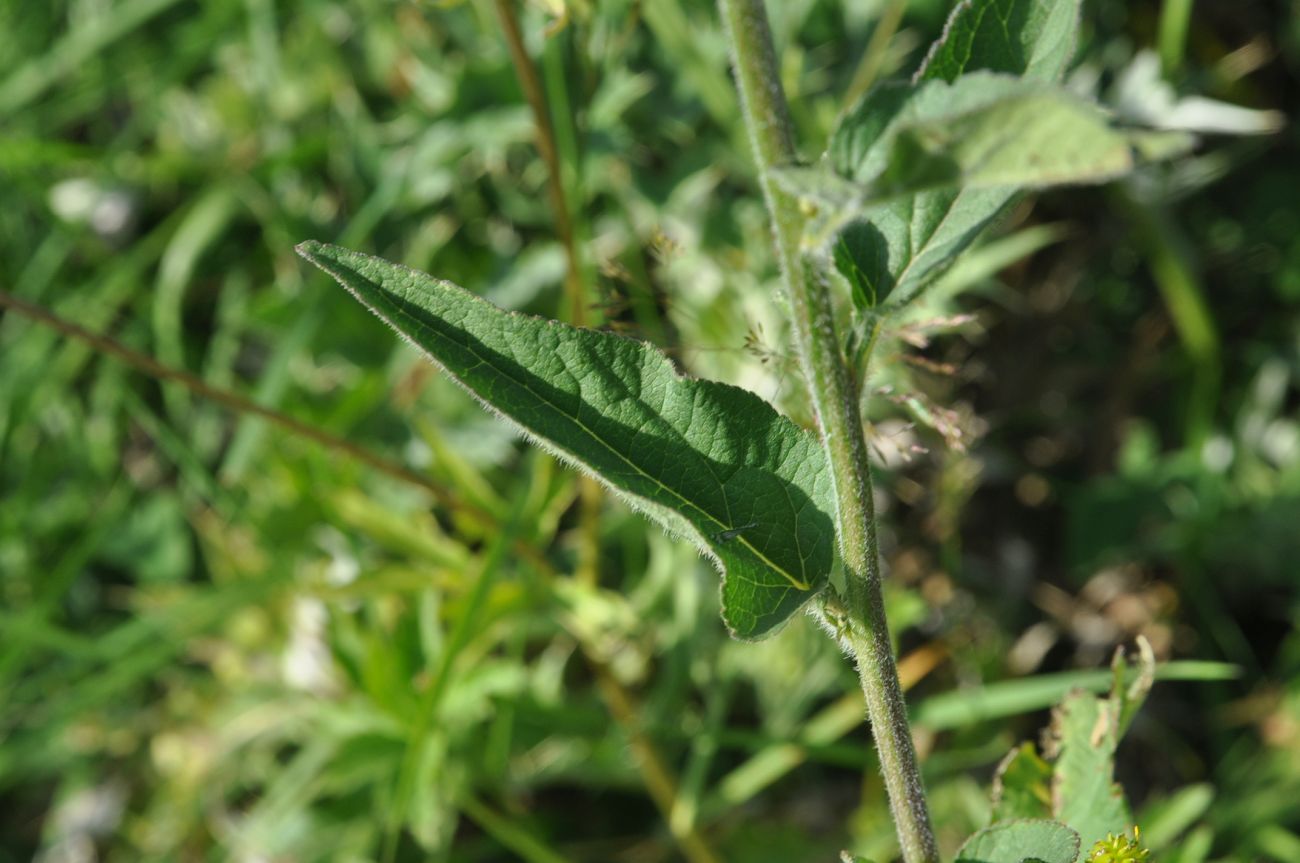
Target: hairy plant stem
point(835, 399)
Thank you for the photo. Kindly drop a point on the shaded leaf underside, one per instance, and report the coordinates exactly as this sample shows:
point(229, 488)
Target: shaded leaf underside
point(910, 242)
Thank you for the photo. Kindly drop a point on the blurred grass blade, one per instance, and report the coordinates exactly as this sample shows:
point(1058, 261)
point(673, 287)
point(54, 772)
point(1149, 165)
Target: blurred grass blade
point(1163, 821)
point(985, 261)
point(66, 56)
point(202, 226)
point(509, 833)
point(969, 706)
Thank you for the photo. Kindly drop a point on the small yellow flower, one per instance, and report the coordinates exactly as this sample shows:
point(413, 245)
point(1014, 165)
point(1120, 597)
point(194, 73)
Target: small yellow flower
point(1120, 849)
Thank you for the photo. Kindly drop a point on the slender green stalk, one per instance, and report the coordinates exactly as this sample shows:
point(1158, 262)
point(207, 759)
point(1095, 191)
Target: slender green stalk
point(873, 59)
point(835, 399)
point(1175, 17)
point(509, 832)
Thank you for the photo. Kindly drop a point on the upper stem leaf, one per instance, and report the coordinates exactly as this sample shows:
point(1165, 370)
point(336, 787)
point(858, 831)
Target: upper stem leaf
point(906, 244)
point(923, 168)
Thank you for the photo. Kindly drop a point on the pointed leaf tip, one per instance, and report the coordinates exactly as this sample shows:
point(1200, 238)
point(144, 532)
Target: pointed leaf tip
point(309, 249)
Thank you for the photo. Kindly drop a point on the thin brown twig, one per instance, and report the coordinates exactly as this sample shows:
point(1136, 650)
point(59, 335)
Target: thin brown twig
point(243, 405)
point(526, 72)
point(532, 87)
point(655, 772)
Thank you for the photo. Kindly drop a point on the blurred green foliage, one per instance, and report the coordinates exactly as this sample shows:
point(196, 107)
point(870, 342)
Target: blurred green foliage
point(220, 640)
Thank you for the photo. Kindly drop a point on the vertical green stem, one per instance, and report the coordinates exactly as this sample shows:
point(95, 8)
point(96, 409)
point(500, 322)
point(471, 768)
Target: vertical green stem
point(835, 399)
point(1175, 17)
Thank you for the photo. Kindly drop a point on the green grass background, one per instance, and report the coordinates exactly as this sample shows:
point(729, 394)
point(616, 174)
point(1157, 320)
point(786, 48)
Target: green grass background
point(220, 639)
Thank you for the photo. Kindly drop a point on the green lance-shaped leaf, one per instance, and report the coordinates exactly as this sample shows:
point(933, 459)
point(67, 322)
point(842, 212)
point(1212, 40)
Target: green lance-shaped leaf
point(707, 460)
point(1018, 841)
point(985, 131)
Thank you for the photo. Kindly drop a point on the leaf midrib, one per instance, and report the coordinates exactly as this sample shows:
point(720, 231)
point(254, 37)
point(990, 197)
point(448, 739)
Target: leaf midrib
point(799, 584)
